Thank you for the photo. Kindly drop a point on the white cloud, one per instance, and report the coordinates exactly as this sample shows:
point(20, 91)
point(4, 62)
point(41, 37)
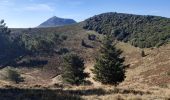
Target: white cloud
point(39, 7)
point(5, 3)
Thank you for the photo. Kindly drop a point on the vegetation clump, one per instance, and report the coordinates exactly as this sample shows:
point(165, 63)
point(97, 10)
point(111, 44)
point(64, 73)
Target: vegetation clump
point(83, 43)
point(92, 37)
point(9, 49)
point(140, 31)
point(143, 53)
point(73, 69)
point(4, 37)
point(109, 67)
point(35, 43)
point(64, 37)
point(62, 51)
point(11, 74)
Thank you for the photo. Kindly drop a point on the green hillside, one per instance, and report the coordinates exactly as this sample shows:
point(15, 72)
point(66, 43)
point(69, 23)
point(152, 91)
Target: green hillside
point(140, 31)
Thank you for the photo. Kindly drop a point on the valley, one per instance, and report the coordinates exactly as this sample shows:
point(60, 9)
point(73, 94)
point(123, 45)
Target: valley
point(40, 63)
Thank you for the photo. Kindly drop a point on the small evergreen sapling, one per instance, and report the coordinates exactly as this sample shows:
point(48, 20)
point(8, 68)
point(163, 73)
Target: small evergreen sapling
point(143, 53)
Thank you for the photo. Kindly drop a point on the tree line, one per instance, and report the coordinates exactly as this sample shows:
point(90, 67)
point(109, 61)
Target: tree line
point(140, 31)
point(13, 47)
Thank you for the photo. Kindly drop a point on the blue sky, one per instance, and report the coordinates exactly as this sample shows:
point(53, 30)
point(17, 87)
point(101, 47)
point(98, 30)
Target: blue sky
point(30, 13)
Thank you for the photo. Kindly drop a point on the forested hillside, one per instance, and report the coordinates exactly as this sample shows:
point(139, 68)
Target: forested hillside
point(27, 42)
point(140, 31)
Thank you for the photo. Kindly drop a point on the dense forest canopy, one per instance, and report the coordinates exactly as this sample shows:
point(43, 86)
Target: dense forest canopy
point(140, 31)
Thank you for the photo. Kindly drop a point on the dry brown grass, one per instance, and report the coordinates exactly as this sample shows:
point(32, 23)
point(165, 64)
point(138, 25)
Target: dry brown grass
point(147, 77)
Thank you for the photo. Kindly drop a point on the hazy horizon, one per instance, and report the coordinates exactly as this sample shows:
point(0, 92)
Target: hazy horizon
point(31, 13)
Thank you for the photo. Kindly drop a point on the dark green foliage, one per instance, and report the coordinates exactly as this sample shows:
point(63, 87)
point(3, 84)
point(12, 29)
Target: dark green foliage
point(83, 43)
point(5, 41)
point(31, 63)
point(24, 44)
point(62, 51)
point(37, 94)
point(35, 43)
point(27, 42)
point(9, 49)
point(143, 53)
point(73, 69)
point(92, 37)
point(109, 68)
point(140, 31)
point(64, 37)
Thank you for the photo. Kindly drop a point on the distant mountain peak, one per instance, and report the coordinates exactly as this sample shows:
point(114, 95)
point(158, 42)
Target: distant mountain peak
point(57, 21)
point(56, 17)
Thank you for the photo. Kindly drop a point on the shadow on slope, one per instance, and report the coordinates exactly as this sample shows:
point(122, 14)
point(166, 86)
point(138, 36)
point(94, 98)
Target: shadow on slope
point(36, 94)
point(32, 63)
point(60, 94)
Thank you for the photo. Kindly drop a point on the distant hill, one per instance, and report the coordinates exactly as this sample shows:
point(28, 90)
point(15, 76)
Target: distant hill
point(56, 21)
point(139, 30)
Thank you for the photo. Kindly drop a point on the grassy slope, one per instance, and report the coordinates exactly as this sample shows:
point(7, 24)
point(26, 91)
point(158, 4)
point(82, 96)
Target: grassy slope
point(75, 34)
point(150, 73)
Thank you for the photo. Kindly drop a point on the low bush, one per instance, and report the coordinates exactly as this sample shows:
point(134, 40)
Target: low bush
point(62, 51)
point(10, 74)
point(64, 37)
point(143, 53)
point(92, 37)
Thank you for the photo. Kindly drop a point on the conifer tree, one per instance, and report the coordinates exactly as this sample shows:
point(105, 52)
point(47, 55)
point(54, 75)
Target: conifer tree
point(109, 67)
point(73, 71)
point(9, 47)
point(4, 37)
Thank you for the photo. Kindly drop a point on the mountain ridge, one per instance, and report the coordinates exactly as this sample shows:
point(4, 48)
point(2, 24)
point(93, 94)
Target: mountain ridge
point(57, 21)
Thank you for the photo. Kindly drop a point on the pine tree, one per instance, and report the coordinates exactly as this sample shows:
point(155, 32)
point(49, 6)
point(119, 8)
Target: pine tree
point(73, 71)
point(4, 37)
point(109, 68)
point(9, 47)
